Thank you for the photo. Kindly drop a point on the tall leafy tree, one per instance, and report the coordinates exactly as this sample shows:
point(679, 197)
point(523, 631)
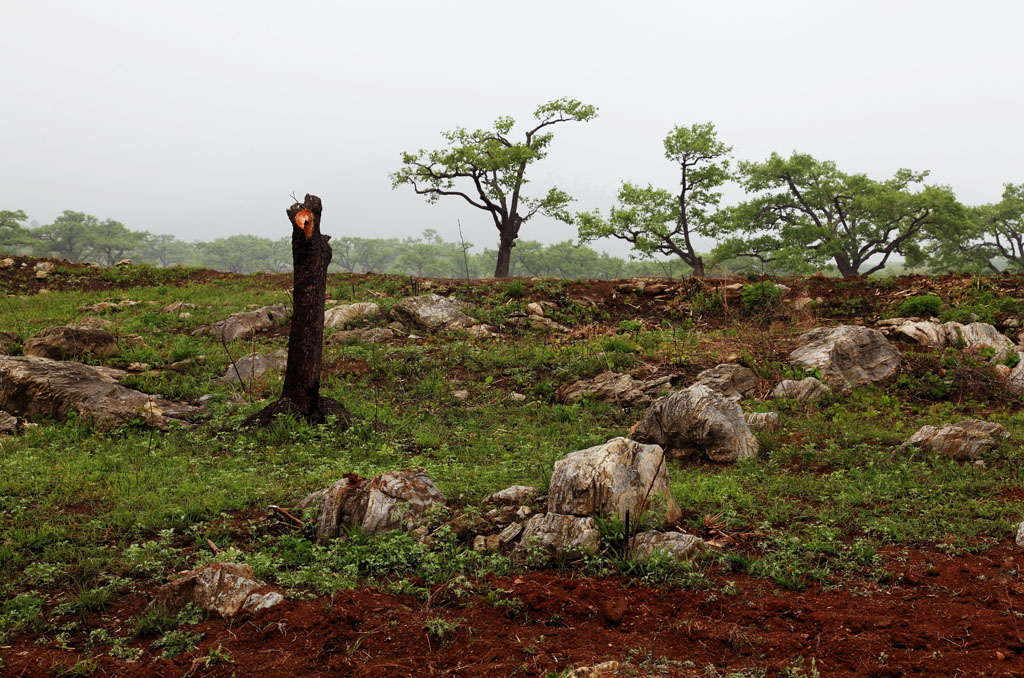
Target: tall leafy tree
point(993, 237)
point(70, 236)
point(806, 213)
point(12, 233)
point(110, 240)
point(487, 169)
point(656, 221)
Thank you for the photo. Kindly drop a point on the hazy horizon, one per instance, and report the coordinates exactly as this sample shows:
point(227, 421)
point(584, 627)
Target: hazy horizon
point(199, 119)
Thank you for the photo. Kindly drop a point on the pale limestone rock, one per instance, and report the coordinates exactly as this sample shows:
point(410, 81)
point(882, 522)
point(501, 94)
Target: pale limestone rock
point(516, 495)
point(606, 669)
point(804, 390)
point(848, 356)
point(432, 313)
point(697, 419)
point(70, 341)
point(762, 421)
point(8, 424)
point(733, 381)
point(241, 325)
point(31, 386)
point(225, 588)
point(537, 322)
point(339, 316)
point(613, 387)
point(553, 536)
point(393, 500)
point(967, 439)
point(253, 365)
point(1020, 535)
point(613, 478)
point(681, 546)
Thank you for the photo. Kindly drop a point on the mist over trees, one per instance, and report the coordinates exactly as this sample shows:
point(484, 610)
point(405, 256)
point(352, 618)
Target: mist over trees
point(798, 214)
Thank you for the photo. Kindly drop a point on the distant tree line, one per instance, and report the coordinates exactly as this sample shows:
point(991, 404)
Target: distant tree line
point(77, 236)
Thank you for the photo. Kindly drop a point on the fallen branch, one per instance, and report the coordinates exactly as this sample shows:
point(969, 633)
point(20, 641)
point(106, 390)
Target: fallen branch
point(216, 549)
point(289, 516)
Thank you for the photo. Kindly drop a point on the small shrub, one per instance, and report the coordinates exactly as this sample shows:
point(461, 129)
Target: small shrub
point(921, 305)
point(760, 298)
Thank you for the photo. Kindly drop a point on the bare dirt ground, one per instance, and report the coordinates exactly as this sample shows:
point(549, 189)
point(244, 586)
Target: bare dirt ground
point(946, 616)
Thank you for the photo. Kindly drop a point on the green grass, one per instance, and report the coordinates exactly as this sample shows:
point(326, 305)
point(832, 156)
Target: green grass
point(86, 517)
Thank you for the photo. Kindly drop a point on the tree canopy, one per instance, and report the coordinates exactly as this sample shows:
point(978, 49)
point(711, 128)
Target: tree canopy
point(654, 220)
point(487, 169)
point(805, 213)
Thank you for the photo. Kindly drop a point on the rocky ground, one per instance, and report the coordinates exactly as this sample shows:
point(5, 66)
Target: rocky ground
point(602, 565)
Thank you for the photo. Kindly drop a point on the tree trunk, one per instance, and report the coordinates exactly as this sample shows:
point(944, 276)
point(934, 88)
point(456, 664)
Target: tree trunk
point(846, 269)
point(311, 255)
point(504, 256)
point(698, 267)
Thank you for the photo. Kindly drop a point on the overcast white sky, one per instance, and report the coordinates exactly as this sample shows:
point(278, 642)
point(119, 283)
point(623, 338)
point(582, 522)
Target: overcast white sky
point(200, 118)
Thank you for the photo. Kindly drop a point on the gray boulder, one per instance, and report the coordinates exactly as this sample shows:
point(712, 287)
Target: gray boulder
point(225, 588)
point(71, 341)
point(964, 440)
point(432, 313)
point(391, 501)
point(536, 321)
point(804, 390)
point(697, 419)
point(253, 365)
point(613, 478)
point(733, 381)
point(848, 356)
point(681, 546)
point(939, 335)
point(339, 316)
point(613, 387)
point(558, 537)
point(516, 495)
point(39, 387)
point(241, 325)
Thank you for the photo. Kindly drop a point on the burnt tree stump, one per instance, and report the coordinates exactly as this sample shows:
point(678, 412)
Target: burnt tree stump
point(311, 254)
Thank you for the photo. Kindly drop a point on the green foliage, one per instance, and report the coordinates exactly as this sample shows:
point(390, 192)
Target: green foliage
point(176, 642)
point(488, 170)
point(806, 213)
point(760, 298)
point(921, 305)
point(656, 221)
point(440, 629)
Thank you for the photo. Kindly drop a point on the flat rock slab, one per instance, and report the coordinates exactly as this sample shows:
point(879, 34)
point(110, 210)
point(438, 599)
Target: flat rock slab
point(71, 341)
point(964, 440)
point(804, 390)
point(848, 356)
point(253, 365)
point(615, 477)
point(371, 335)
point(240, 325)
point(677, 544)
point(339, 316)
point(432, 313)
point(40, 387)
point(537, 321)
point(391, 501)
point(555, 537)
point(225, 588)
point(939, 335)
point(516, 495)
point(697, 419)
point(613, 387)
point(733, 381)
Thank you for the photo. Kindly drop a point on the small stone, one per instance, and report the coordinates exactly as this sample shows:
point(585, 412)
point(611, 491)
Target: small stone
point(523, 512)
point(614, 609)
point(184, 314)
point(518, 397)
point(1020, 535)
point(138, 367)
point(533, 308)
point(6, 263)
point(510, 533)
point(461, 394)
point(135, 340)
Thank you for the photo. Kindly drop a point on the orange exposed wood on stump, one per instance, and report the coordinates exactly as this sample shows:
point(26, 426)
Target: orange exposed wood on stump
point(305, 220)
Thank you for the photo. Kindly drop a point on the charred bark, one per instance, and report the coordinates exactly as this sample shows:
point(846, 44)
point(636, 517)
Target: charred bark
point(311, 254)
